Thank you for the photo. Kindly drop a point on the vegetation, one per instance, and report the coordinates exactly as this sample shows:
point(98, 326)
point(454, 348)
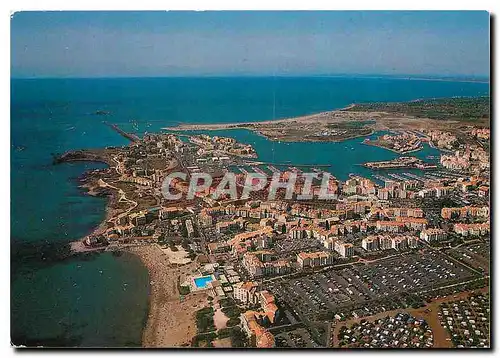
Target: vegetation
point(350, 124)
point(184, 290)
point(203, 340)
point(205, 320)
point(468, 109)
point(231, 311)
point(185, 244)
point(234, 321)
point(238, 337)
point(226, 302)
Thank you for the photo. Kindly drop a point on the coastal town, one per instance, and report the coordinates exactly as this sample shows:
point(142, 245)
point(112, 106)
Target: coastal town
point(397, 259)
point(263, 180)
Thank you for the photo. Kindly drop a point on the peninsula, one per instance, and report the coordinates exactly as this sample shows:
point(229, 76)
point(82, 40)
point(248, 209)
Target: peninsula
point(363, 119)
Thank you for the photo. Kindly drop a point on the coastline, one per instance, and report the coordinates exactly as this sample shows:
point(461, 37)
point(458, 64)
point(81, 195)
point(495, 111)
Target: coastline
point(321, 116)
point(303, 128)
point(111, 197)
point(171, 319)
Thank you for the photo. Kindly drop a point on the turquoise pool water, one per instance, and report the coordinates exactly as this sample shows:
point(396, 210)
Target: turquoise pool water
point(201, 282)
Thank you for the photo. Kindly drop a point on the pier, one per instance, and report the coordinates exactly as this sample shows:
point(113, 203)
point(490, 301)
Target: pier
point(432, 176)
point(130, 136)
point(259, 171)
point(287, 164)
point(381, 178)
point(395, 176)
point(273, 169)
point(243, 170)
point(413, 176)
point(295, 170)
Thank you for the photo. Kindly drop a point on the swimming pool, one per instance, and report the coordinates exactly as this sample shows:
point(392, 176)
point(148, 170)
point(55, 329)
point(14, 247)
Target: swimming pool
point(201, 282)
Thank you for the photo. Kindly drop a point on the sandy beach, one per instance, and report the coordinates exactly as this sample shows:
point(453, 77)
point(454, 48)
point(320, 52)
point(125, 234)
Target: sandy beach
point(303, 128)
point(327, 116)
point(171, 322)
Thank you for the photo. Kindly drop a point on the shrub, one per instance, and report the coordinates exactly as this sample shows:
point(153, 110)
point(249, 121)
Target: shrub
point(205, 320)
point(231, 311)
point(203, 340)
point(238, 338)
point(233, 321)
point(226, 302)
point(184, 290)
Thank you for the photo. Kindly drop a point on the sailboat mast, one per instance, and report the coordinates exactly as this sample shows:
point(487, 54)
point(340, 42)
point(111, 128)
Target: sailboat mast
point(274, 107)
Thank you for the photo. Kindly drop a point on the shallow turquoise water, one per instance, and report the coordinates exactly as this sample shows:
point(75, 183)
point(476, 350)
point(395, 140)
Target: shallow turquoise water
point(64, 304)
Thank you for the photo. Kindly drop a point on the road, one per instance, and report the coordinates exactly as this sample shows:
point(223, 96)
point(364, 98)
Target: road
point(183, 166)
point(203, 240)
point(123, 197)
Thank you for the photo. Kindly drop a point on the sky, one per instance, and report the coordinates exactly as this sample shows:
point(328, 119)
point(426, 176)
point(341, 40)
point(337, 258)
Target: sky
point(135, 44)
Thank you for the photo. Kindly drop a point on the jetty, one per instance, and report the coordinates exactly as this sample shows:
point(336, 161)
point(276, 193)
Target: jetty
point(130, 136)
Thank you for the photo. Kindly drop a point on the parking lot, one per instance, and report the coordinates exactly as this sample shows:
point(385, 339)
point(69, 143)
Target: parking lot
point(287, 245)
point(476, 255)
point(338, 291)
point(298, 338)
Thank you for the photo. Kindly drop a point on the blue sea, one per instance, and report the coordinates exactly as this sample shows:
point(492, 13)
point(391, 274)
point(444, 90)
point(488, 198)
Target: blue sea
point(102, 300)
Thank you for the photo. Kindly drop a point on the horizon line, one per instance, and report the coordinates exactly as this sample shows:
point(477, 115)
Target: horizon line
point(435, 77)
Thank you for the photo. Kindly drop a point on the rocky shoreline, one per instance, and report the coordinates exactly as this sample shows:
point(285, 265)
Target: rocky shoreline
point(171, 320)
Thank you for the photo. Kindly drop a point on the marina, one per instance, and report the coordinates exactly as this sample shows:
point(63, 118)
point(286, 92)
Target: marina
point(259, 171)
point(396, 176)
point(381, 178)
point(273, 169)
point(414, 176)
